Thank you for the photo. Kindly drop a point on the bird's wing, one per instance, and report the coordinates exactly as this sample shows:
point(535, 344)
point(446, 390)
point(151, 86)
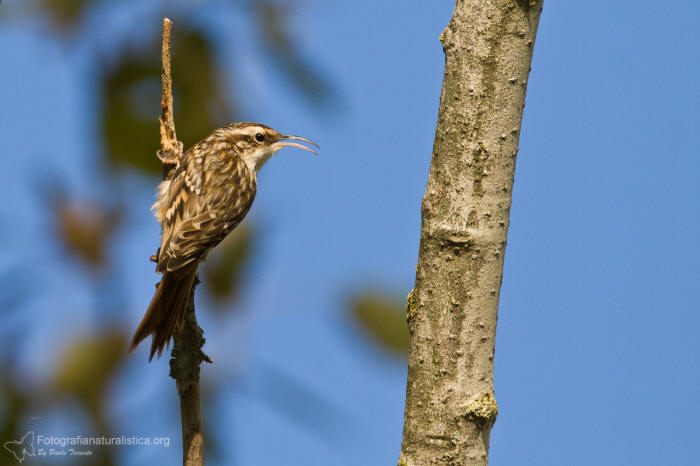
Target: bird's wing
point(191, 239)
point(196, 223)
point(194, 172)
point(178, 205)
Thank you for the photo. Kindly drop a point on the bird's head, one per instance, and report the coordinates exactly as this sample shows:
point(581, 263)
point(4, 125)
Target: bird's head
point(255, 143)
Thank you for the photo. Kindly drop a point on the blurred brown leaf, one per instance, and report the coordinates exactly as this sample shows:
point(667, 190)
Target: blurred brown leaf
point(131, 95)
point(383, 318)
point(86, 367)
point(224, 268)
point(85, 229)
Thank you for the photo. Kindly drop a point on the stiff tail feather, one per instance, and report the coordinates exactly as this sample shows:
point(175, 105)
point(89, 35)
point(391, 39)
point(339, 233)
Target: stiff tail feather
point(166, 313)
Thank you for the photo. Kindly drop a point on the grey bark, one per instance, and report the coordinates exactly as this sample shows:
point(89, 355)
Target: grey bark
point(187, 356)
point(452, 310)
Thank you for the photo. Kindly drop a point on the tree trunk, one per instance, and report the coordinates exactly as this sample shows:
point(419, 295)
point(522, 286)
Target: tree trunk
point(452, 311)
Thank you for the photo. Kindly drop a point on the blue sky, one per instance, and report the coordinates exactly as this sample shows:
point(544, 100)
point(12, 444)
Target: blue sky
point(597, 349)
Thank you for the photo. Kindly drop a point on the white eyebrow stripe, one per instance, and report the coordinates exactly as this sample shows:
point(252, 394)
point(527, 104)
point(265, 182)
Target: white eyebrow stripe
point(253, 130)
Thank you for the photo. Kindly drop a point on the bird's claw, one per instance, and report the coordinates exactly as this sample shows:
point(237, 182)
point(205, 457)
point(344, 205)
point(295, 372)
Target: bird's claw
point(165, 160)
point(167, 157)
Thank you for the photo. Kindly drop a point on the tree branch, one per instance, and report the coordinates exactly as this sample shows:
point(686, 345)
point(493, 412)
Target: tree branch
point(187, 352)
point(187, 356)
point(452, 311)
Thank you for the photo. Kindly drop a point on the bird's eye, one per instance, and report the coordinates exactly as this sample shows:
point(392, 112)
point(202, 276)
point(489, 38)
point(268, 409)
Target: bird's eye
point(259, 137)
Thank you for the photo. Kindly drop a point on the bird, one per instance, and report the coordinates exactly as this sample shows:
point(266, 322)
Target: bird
point(212, 189)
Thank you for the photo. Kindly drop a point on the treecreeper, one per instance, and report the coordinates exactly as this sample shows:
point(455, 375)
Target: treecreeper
point(212, 189)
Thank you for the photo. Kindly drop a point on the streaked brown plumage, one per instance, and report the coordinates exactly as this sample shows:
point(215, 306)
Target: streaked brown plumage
point(210, 192)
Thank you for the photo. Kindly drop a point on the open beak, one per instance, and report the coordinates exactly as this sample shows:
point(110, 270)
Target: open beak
point(283, 142)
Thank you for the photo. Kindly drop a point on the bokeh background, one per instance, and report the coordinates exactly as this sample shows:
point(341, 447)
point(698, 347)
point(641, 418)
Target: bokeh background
point(597, 349)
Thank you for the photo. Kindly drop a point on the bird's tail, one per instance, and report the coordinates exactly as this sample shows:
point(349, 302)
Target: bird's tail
point(166, 313)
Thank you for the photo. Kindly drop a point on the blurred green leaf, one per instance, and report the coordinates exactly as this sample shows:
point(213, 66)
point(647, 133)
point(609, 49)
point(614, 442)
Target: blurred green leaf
point(131, 95)
point(85, 229)
point(13, 409)
point(383, 318)
point(65, 14)
point(225, 265)
point(272, 17)
point(86, 367)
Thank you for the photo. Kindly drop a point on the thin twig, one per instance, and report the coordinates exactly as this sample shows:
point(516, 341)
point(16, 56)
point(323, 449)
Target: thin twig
point(187, 352)
point(171, 148)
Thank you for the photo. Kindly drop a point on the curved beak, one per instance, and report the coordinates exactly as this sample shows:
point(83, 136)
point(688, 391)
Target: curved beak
point(284, 142)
